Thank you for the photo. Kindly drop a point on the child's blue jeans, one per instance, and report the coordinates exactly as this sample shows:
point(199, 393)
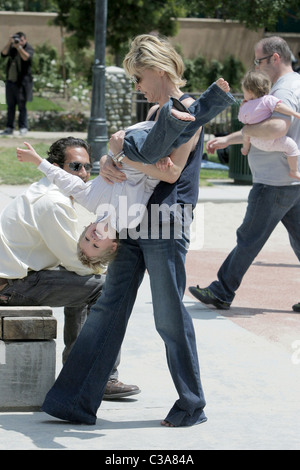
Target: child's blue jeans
point(170, 132)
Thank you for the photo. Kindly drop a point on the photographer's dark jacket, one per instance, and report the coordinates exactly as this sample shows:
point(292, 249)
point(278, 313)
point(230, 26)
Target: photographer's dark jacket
point(19, 70)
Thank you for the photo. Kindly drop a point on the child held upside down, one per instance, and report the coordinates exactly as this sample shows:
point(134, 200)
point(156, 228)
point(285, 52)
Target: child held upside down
point(257, 106)
point(98, 243)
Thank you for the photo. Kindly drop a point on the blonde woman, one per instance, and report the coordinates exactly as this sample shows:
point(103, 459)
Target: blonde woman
point(98, 243)
point(157, 70)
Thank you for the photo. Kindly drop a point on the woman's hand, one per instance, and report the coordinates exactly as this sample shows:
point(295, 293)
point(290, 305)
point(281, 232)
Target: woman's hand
point(116, 142)
point(164, 163)
point(110, 172)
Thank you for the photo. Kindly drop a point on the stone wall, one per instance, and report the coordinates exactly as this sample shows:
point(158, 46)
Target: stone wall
point(212, 38)
point(118, 99)
point(216, 39)
point(38, 28)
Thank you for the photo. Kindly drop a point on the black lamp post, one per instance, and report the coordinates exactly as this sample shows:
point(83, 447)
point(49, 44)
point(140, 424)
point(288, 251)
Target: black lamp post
point(97, 130)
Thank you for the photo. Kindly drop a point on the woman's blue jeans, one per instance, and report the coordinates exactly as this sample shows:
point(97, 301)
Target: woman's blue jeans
point(78, 391)
point(267, 206)
point(149, 146)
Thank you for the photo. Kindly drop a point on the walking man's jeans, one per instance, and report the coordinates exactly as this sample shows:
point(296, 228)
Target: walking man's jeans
point(78, 391)
point(267, 206)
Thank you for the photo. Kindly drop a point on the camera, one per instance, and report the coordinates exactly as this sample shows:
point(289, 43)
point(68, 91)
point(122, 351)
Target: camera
point(16, 38)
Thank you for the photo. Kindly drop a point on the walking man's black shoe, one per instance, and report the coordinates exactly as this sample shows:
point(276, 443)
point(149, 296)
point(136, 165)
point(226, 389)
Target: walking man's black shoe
point(207, 297)
point(296, 307)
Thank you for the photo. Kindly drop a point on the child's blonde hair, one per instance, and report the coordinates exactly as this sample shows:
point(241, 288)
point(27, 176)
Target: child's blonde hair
point(97, 263)
point(257, 82)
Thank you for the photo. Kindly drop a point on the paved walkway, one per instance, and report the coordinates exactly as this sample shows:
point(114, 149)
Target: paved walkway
point(249, 357)
point(251, 385)
point(47, 137)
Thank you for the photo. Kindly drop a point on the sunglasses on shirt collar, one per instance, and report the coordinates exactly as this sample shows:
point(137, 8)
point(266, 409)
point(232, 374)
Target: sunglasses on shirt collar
point(76, 166)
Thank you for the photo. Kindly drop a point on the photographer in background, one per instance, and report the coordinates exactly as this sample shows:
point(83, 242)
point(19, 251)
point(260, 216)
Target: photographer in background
point(18, 84)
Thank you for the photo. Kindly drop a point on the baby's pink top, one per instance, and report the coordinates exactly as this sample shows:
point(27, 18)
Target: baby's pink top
point(254, 111)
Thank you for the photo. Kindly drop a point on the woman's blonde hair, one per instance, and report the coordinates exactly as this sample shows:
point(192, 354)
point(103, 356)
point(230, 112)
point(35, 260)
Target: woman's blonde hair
point(148, 51)
point(97, 263)
point(257, 82)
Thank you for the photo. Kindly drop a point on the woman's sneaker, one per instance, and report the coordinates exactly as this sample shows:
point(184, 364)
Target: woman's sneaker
point(207, 297)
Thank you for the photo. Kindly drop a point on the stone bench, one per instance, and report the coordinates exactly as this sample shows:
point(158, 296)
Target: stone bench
point(27, 356)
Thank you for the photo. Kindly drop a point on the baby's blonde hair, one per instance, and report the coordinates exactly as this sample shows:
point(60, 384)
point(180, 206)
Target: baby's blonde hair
point(257, 82)
point(148, 51)
point(97, 263)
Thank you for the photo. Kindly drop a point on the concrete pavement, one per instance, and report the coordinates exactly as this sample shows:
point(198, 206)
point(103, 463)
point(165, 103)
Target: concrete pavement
point(251, 380)
point(37, 136)
point(251, 386)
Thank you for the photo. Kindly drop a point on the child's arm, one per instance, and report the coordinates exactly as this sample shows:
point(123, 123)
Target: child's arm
point(28, 155)
point(86, 194)
point(284, 109)
point(246, 145)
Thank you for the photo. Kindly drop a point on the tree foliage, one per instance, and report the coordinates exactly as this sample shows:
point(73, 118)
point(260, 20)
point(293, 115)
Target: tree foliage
point(253, 13)
point(27, 5)
point(125, 19)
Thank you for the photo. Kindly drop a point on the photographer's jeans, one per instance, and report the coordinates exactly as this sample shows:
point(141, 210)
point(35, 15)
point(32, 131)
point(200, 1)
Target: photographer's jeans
point(267, 206)
point(78, 391)
point(15, 96)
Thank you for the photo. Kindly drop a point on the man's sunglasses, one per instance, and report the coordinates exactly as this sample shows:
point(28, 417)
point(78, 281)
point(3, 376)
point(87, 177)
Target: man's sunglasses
point(76, 166)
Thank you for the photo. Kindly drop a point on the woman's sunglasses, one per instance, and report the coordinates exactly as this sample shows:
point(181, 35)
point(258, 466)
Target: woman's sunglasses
point(76, 166)
point(136, 80)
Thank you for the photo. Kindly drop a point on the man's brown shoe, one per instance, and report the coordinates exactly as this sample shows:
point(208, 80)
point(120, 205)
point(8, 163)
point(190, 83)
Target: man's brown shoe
point(115, 389)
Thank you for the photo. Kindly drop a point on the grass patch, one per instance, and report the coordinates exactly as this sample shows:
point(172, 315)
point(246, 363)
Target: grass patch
point(14, 172)
point(207, 175)
point(39, 104)
point(43, 104)
point(210, 174)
